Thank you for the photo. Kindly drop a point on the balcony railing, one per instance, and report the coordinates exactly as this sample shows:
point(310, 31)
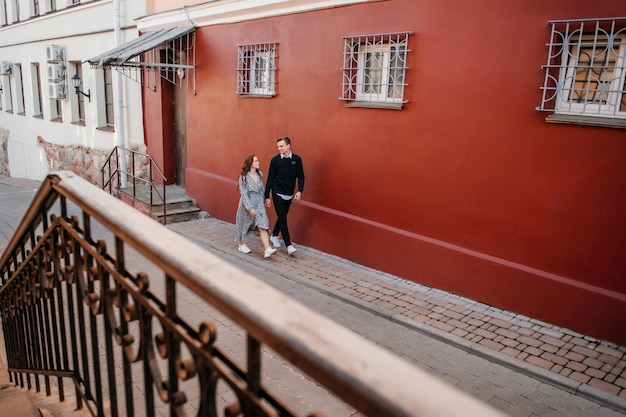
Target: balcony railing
point(95, 293)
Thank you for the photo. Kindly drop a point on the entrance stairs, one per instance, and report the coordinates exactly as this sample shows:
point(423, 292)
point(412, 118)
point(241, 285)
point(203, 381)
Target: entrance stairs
point(179, 207)
point(15, 402)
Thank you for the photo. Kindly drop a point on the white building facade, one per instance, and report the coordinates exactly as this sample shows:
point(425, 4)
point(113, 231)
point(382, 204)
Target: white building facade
point(45, 122)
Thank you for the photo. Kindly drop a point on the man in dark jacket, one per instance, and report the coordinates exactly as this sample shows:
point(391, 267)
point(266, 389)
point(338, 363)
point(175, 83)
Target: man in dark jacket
point(285, 169)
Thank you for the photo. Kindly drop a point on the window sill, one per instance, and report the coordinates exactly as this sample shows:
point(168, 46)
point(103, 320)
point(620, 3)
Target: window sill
point(38, 116)
point(375, 105)
point(257, 95)
point(106, 128)
point(79, 123)
point(587, 120)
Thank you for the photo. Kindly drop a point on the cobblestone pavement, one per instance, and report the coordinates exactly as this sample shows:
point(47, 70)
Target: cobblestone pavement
point(519, 365)
point(572, 362)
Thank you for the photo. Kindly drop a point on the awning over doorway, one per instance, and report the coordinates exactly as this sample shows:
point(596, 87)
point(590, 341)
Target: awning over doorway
point(170, 52)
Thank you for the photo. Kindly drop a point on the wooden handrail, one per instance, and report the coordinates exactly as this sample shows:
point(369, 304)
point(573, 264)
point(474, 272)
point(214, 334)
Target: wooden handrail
point(102, 315)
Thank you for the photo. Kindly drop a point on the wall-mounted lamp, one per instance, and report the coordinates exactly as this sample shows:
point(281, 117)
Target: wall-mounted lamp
point(76, 83)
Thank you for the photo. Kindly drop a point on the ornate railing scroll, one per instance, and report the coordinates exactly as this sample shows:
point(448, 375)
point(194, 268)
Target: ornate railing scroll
point(93, 292)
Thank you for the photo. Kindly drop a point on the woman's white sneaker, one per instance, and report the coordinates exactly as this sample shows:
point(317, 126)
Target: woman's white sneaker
point(244, 248)
point(269, 252)
point(291, 249)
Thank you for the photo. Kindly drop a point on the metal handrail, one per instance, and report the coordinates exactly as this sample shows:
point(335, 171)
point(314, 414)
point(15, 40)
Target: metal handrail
point(117, 173)
point(72, 306)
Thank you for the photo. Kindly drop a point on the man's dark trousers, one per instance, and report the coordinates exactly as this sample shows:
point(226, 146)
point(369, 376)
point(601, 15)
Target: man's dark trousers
point(282, 208)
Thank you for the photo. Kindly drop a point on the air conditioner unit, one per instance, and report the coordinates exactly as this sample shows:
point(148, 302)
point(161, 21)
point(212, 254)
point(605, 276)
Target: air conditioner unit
point(56, 71)
point(55, 53)
point(57, 91)
point(6, 68)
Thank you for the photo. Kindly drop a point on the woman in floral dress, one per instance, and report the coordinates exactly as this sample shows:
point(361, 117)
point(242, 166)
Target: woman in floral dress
point(251, 212)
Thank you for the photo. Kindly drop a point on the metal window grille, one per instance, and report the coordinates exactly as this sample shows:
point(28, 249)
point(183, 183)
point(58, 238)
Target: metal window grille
point(256, 69)
point(374, 68)
point(178, 58)
point(586, 68)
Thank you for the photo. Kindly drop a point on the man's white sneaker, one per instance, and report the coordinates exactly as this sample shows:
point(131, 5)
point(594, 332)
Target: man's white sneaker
point(269, 252)
point(275, 241)
point(244, 248)
point(291, 249)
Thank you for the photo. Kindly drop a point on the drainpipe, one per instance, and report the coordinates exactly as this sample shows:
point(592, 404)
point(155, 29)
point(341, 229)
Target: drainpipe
point(119, 98)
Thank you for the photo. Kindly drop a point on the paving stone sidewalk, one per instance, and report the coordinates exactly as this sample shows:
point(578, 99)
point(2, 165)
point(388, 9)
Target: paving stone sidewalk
point(577, 363)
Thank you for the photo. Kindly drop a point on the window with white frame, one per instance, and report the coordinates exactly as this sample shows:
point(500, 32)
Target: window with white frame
point(34, 8)
point(56, 111)
point(8, 95)
point(256, 69)
point(19, 89)
point(585, 80)
point(77, 101)
point(35, 79)
point(374, 69)
point(108, 97)
point(16, 11)
point(1, 92)
point(3, 12)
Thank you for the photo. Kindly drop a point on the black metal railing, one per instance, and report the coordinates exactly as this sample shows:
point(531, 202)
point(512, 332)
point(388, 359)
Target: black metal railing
point(112, 173)
point(95, 293)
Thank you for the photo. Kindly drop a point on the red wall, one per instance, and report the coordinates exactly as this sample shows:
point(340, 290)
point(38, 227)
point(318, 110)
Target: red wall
point(466, 189)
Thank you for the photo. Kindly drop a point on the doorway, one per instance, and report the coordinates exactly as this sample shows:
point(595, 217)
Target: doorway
point(179, 108)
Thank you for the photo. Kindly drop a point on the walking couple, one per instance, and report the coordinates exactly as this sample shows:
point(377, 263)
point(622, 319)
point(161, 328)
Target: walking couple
point(285, 168)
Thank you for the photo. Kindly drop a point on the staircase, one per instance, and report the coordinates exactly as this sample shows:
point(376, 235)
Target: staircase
point(179, 207)
point(166, 204)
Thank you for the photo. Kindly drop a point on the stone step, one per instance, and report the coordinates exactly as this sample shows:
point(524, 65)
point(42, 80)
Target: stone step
point(16, 402)
point(180, 207)
point(177, 214)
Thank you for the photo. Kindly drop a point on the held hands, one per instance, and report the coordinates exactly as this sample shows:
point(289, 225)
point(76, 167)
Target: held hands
point(253, 212)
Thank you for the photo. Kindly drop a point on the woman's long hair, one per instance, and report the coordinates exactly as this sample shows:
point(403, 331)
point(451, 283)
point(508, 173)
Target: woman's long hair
point(245, 167)
point(247, 163)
